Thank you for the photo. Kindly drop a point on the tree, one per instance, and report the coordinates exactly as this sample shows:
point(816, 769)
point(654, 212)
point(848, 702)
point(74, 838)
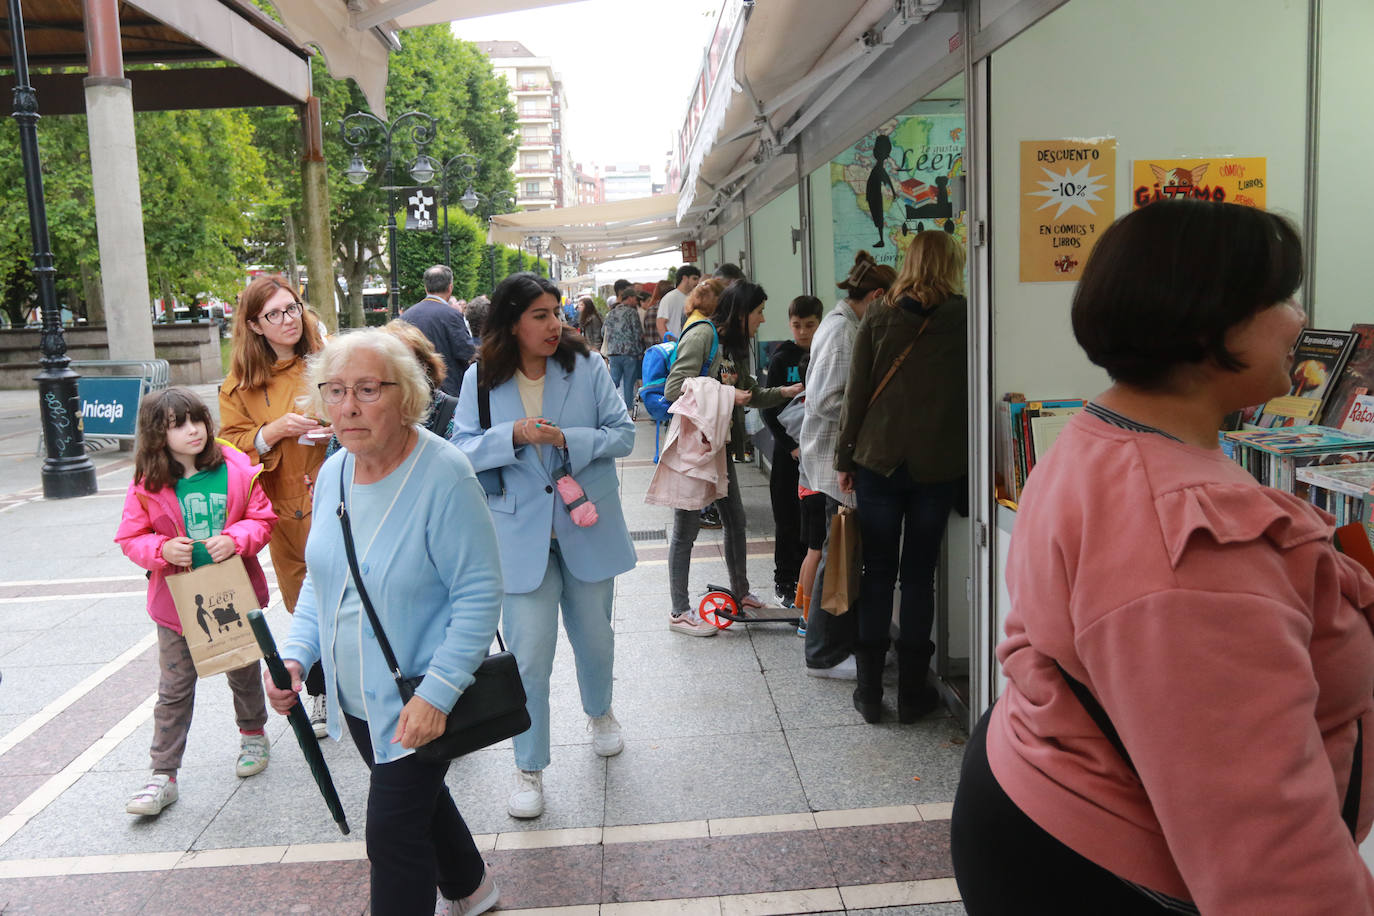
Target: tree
point(423, 249)
point(201, 175)
point(438, 74)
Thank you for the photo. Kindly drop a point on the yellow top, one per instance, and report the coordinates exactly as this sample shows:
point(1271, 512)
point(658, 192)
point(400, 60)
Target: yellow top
point(288, 468)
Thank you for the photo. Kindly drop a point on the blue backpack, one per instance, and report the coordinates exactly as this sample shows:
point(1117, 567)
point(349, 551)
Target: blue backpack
point(658, 359)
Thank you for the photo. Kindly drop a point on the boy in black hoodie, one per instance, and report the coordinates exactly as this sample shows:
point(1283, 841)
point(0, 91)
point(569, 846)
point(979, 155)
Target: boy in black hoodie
point(787, 367)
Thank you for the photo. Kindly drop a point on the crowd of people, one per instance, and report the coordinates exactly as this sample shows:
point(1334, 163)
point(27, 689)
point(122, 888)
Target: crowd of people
point(470, 455)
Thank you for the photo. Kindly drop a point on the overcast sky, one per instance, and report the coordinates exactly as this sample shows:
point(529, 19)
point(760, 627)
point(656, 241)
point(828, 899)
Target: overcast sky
point(627, 68)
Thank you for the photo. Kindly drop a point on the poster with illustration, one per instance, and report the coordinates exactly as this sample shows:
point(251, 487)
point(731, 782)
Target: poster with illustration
point(905, 177)
point(1221, 178)
point(1068, 198)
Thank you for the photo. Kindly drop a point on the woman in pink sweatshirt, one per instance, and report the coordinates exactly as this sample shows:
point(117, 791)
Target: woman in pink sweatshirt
point(1189, 661)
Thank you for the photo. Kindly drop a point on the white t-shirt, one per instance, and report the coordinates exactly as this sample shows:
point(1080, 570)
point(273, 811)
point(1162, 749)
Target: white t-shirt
point(672, 308)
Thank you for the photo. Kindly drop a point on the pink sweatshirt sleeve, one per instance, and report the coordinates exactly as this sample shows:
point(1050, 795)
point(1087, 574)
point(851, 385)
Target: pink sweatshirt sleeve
point(1214, 696)
point(136, 536)
point(252, 532)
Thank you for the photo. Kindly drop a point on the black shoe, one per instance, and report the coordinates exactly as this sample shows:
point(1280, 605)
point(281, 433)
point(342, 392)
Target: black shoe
point(868, 693)
point(710, 517)
point(786, 596)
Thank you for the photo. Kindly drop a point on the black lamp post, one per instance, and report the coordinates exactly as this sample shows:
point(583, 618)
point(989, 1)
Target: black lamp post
point(67, 472)
point(358, 131)
point(538, 245)
point(463, 168)
point(490, 204)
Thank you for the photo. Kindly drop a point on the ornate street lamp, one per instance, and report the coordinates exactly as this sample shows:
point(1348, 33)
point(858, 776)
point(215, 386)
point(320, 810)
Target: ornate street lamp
point(67, 471)
point(363, 129)
point(536, 242)
point(463, 169)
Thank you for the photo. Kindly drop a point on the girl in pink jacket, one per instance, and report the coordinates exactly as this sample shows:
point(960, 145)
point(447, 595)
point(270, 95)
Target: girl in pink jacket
point(194, 500)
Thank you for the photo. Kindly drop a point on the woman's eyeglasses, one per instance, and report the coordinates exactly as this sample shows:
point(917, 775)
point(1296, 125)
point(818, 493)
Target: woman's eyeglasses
point(275, 316)
point(365, 391)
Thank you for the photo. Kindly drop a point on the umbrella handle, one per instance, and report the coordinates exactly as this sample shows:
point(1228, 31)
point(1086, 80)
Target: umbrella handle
point(281, 678)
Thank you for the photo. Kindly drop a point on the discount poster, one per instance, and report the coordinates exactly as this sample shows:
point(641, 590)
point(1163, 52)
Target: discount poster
point(1068, 197)
point(1227, 178)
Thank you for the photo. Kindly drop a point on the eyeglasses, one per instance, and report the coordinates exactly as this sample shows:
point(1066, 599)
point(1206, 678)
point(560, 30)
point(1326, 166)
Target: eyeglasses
point(275, 316)
point(364, 392)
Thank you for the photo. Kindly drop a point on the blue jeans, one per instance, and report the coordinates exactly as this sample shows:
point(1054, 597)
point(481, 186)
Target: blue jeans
point(531, 625)
point(896, 510)
point(624, 371)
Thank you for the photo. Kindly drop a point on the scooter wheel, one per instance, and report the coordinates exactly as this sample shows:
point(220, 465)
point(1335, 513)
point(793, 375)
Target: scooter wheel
point(714, 605)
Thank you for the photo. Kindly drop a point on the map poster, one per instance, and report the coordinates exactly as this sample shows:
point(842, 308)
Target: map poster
point(905, 177)
point(1221, 178)
point(1068, 197)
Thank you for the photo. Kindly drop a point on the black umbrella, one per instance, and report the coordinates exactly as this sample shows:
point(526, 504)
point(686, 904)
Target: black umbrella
point(300, 722)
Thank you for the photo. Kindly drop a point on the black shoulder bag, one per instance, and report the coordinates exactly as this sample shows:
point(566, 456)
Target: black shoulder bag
point(491, 709)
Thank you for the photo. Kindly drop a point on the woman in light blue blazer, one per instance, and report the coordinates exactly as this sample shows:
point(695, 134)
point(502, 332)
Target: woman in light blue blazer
point(551, 409)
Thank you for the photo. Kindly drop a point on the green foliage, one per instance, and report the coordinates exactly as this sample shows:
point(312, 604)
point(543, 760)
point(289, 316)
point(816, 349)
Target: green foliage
point(199, 174)
point(435, 73)
point(420, 250)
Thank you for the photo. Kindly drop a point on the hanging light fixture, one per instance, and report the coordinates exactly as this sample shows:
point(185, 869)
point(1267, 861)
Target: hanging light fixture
point(357, 172)
point(469, 199)
point(424, 169)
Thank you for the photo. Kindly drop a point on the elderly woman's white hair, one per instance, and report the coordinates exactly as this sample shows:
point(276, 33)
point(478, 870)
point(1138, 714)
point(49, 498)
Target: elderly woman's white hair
point(401, 367)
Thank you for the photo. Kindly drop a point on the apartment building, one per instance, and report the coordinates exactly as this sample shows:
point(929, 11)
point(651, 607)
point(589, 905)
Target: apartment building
point(544, 176)
point(627, 181)
point(591, 189)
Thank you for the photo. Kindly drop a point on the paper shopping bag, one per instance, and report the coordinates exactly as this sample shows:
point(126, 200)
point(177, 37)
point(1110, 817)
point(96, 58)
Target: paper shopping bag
point(213, 602)
point(843, 563)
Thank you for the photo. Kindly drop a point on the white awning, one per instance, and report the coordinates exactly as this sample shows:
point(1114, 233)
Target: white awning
point(784, 62)
point(595, 233)
point(357, 36)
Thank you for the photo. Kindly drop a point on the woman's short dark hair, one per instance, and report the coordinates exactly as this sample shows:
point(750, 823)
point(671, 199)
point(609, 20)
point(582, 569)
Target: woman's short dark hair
point(500, 353)
point(1168, 281)
point(731, 316)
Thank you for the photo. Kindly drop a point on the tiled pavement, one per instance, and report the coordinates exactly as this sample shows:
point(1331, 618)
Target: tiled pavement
point(745, 786)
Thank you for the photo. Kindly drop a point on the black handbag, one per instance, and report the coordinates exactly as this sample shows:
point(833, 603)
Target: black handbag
point(490, 710)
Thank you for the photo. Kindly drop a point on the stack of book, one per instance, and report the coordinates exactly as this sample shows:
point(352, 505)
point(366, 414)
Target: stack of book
point(1273, 456)
point(1330, 368)
point(1342, 489)
point(1025, 432)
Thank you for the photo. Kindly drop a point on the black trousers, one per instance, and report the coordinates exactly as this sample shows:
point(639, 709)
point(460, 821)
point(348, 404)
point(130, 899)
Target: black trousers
point(416, 839)
point(788, 548)
point(1006, 865)
point(829, 639)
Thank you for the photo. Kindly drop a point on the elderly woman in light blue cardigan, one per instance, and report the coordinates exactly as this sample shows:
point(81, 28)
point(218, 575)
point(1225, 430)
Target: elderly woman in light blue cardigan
point(552, 410)
point(427, 554)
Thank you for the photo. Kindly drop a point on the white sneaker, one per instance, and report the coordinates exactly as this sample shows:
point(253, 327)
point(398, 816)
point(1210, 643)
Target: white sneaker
point(846, 670)
point(691, 624)
point(527, 800)
point(606, 737)
point(160, 792)
point(254, 751)
point(319, 715)
point(484, 898)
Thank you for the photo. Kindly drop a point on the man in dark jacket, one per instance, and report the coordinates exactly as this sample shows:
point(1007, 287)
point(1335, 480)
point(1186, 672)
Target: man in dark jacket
point(443, 325)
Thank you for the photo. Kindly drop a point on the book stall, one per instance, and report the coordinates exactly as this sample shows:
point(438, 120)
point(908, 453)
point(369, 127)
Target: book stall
point(1316, 442)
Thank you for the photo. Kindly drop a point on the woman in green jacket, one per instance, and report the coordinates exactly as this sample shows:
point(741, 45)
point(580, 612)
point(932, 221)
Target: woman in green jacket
point(736, 318)
point(903, 451)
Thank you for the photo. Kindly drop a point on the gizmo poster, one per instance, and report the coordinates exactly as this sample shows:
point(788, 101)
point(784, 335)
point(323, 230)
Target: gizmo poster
point(1232, 179)
point(905, 177)
point(1068, 198)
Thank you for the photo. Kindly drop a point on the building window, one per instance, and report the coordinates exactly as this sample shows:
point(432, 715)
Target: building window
point(532, 188)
